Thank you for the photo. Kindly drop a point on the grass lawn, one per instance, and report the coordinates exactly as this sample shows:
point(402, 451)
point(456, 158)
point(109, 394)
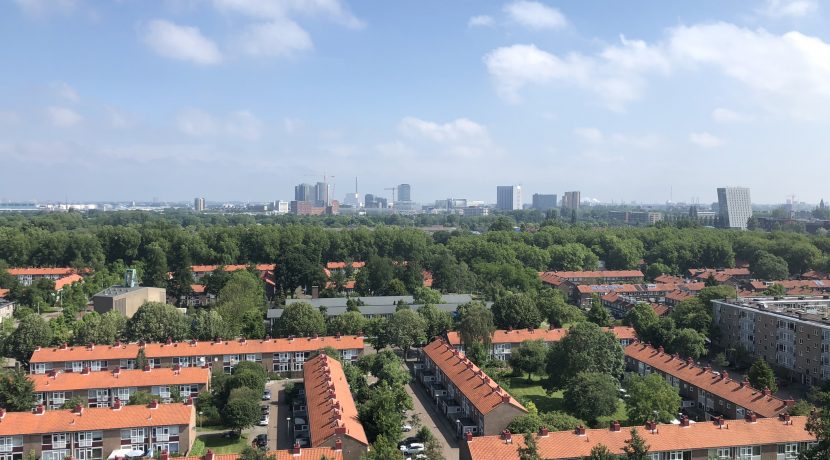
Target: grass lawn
point(520, 387)
point(219, 443)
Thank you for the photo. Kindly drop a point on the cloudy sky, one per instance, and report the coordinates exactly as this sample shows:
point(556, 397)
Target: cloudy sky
point(242, 99)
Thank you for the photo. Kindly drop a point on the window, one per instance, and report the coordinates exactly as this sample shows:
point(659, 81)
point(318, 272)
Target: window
point(720, 453)
point(134, 435)
point(75, 366)
point(89, 453)
point(127, 364)
point(748, 452)
point(188, 390)
point(39, 368)
point(58, 398)
point(281, 367)
point(59, 454)
point(59, 440)
point(680, 455)
point(86, 438)
point(282, 357)
point(154, 362)
point(788, 451)
point(98, 365)
point(124, 393)
point(8, 443)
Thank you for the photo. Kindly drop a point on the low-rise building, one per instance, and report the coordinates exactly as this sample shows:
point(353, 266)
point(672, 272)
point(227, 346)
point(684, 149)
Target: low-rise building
point(97, 433)
point(28, 275)
point(6, 309)
point(463, 393)
point(285, 356)
point(102, 388)
point(503, 341)
point(330, 409)
point(749, 439)
point(295, 453)
point(721, 275)
point(597, 277)
point(706, 393)
point(656, 293)
point(200, 271)
point(127, 300)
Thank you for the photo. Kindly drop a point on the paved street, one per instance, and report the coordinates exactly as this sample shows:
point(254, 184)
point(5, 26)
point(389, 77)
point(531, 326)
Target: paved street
point(431, 419)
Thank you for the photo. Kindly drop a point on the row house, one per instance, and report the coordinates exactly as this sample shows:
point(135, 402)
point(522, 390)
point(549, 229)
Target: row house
point(28, 275)
point(463, 393)
point(295, 453)
point(285, 356)
point(705, 393)
point(503, 341)
point(97, 433)
point(721, 275)
point(103, 388)
point(200, 271)
point(567, 281)
point(752, 438)
point(792, 287)
point(584, 294)
point(619, 305)
point(331, 414)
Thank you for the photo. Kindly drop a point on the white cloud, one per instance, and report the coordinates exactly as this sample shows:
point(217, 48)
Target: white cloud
point(461, 137)
point(705, 140)
point(592, 135)
point(244, 125)
point(63, 117)
point(64, 91)
point(117, 118)
point(481, 21)
point(240, 124)
point(726, 116)
point(278, 38)
point(535, 15)
point(195, 122)
point(291, 125)
point(185, 43)
point(281, 9)
point(45, 7)
point(789, 8)
point(596, 138)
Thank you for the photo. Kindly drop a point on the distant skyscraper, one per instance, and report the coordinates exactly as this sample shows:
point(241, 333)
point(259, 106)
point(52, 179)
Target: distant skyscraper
point(509, 197)
point(570, 201)
point(304, 192)
point(369, 201)
point(321, 193)
point(544, 202)
point(199, 204)
point(734, 207)
point(404, 192)
point(381, 202)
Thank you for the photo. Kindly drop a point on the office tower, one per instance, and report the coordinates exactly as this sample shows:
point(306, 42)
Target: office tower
point(404, 192)
point(734, 207)
point(199, 204)
point(381, 202)
point(321, 194)
point(369, 201)
point(304, 192)
point(570, 201)
point(544, 202)
point(509, 197)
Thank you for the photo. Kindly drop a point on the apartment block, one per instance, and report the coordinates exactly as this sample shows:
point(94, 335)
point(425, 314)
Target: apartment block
point(97, 433)
point(28, 275)
point(749, 439)
point(706, 394)
point(285, 356)
point(583, 295)
point(127, 300)
point(103, 388)
point(791, 333)
point(330, 410)
point(503, 341)
point(463, 393)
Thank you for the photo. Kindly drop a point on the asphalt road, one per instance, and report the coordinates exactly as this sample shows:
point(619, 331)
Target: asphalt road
point(430, 418)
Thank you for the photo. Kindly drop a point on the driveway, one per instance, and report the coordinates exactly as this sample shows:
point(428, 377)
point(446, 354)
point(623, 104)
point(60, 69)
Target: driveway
point(279, 435)
point(430, 418)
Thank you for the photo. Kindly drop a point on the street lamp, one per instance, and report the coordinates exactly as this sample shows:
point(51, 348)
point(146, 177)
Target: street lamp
point(200, 419)
point(288, 425)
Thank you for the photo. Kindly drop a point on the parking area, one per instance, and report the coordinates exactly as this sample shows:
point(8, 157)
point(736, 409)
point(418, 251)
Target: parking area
point(431, 419)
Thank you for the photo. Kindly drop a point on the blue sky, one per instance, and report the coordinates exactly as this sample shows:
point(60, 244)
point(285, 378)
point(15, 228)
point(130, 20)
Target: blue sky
point(242, 99)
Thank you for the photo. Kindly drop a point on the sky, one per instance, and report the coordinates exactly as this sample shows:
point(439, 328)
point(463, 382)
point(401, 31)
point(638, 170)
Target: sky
point(242, 99)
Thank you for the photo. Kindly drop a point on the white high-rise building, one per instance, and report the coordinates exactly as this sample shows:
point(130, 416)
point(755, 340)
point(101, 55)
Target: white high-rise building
point(735, 207)
point(509, 197)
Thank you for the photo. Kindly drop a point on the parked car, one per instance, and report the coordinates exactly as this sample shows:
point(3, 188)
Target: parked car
point(264, 420)
point(261, 441)
point(266, 396)
point(408, 441)
point(303, 442)
point(414, 448)
point(406, 427)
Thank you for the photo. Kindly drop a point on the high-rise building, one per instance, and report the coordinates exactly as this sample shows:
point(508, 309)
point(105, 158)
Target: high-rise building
point(321, 194)
point(544, 202)
point(570, 201)
point(734, 207)
point(509, 197)
point(381, 202)
point(404, 192)
point(369, 201)
point(304, 192)
point(199, 204)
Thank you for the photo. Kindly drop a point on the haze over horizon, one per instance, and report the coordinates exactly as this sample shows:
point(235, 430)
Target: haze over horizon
point(243, 99)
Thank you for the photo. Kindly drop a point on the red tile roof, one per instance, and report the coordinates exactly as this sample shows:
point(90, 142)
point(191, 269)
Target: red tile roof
point(72, 381)
point(819, 285)
point(814, 275)
point(697, 436)
point(3, 293)
point(331, 409)
point(314, 453)
point(197, 288)
point(550, 278)
point(25, 423)
point(545, 335)
point(669, 279)
point(479, 389)
point(41, 271)
point(739, 393)
point(229, 268)
point(342, 265)
point(600, 274)
point(177, 349)
point(660, 310)
point(679, 296)
point(61, 283)
point(703, 273)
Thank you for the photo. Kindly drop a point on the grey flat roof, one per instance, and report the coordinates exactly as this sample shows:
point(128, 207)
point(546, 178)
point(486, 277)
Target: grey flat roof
point(369, 309)
point(115, 291)
point(379, 300)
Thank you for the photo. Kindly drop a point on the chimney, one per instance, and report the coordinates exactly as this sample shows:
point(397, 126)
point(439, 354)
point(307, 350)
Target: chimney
point(690, 361)
point(661, 350)
point(767, 392)
point(468, 436)
point(615, 426)
point(724, 375)
point(684, 421)
point(141, 344)
point(39, 409)
point(2, 413)
point(651, 426)
point(338, 444)
point(707, 369)
point(164, 455)
point(209, 455)
point(170, 341)
point(543, 432)
point(745, 383)
point(505, 398)
point(146, 368)
point(90, 346)
point(192, 343)
point(78, 409)
point(52, 373)
point(340, 430)
point(64, 346)
point(116, 404)
point(789, 402)
point(189, 401)
point(718, 421)
point(296, 449)
point(750, 417)
point(580, 430)
point(154, 404)
point(785, 417)
point(507, 437)
point(177, 368)
point(116, 371)
point(117, 344)
point(85, 370)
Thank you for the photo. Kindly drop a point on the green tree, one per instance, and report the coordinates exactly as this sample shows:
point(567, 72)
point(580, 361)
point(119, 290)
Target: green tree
point(693, 314)
point(248, 374)
point(349, 323)
point(591, 395)
point(767, 266)
point(379, 273)
point(648, 395)
point(708, 294)
point(253, 453)
point(598, 314)
point(74, 402)
point(140, 398)
point(776, 290)
point(301, 320)
point(383, 449)
point(437, 321)
point(155, 267)
point(600, 452)
point(642, 317)
point(140, 359)
point(381, 414)
point(156, 322)
point(636, 447)
point(529, 357)
point(530, 450)
point(32, 332)
point(242, 409)
point(656, 269)
point(103, 329)
point(819, 426)
point(426, 296)
point(475, 324)
point(552, 306)
point(242, 293)
point(209, 325)
point(17, 392)
point(406, 329)
point(297, 268)
point(572, 257)
point(215, 280)
point(517, 311)
point(586, 348)
point(761, 376)
point(554, 421)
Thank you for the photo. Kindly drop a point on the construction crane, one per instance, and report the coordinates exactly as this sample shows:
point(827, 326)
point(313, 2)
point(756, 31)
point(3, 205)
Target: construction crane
point(329, 191)
point(393, 193)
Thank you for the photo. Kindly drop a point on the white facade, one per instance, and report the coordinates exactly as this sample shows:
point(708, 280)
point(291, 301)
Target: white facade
point(735, 207)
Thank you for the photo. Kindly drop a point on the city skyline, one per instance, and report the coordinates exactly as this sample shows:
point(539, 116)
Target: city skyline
point(242, 100)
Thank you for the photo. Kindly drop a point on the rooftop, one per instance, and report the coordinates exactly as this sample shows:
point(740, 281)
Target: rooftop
point(811, 309)
point(480, 389)
point(229, 268)
point(313, 453)
point(72, 381)
point(117, 291)
point(599, 274)
point(545, 335)
point(331, 409)
point(666, 437)
point(41, 271)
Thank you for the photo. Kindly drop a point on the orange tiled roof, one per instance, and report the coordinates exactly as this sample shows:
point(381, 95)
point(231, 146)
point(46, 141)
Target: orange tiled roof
point(26, 423)
point(342, 265)
point(545, 335)
point(197, 288)
point(61, 283)
point(822, 285)
point(427, 278)
point(667, 437)
point(313, 453)
point(72, 381)
point(331, 409)
point(177, 349)
point(814, 275)
point(482, 392)
point(41, 271)
point(229, 268)
point(600, 274)
point(704, 273)
point(550, 278)
point(3, 293)
point(739, 393)
point(678, 296)
point(660, 310)
point(669, 279)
